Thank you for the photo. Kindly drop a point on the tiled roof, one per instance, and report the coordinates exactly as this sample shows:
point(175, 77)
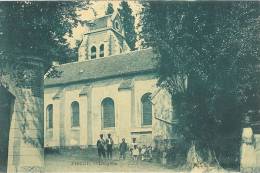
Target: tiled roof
point(135, 62)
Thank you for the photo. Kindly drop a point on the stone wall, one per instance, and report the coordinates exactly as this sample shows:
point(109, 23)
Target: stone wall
point(24, 79)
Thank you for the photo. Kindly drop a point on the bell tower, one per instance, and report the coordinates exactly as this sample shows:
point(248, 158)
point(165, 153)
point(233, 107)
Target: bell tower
point(105, 37)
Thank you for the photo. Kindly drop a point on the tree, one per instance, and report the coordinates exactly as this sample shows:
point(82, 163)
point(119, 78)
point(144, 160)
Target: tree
point(38, 28)
point(207, 56)
point(110, 9)
point(32, 36)
point(128, 21)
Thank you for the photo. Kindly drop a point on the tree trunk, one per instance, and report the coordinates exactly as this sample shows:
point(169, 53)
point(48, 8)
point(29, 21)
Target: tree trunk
point(198, 163)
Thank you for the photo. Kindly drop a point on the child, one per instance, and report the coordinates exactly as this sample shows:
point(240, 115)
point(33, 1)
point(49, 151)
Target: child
point(123, 149)
point(164, 159)
point(132, 146)
point(149, 153)
point(143, 151)
point(135, 152)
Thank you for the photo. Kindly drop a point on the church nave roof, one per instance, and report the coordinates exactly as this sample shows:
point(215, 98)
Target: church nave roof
point(135, 62)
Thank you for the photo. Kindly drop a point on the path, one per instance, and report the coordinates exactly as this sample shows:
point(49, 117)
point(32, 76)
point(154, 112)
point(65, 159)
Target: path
point(88, 162)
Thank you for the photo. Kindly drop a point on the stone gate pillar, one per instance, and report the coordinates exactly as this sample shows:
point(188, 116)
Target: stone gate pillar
point(248, 153)
point(25, 81)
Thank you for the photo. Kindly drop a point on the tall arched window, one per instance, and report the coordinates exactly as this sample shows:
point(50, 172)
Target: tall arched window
point(101, 50)
point(49, 116)
point(146, 109)
point(108, 113)
point(74, 114)
point(93, 53)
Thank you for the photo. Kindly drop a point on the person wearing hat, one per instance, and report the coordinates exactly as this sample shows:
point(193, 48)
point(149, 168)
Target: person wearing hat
point(109, 143)
point(101, 148)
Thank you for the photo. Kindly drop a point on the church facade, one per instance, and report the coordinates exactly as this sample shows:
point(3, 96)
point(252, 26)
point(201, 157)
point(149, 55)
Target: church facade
point(110, 90)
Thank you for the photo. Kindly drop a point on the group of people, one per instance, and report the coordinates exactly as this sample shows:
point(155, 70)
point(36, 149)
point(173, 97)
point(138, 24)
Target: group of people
point(144, 152)
point(105, 149)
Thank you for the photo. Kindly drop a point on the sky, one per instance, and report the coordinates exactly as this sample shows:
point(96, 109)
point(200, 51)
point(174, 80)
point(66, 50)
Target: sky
point(100, 7)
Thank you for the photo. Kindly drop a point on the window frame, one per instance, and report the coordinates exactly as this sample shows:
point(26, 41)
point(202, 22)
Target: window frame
point(117, 25)
point(50, 106)
point(102, 114)
point(73, 115)
point(93, 53)
point(102, 52)
point(148, 95)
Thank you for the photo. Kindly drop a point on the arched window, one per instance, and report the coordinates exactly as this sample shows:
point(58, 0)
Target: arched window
point(101, 50)
point(74, 114)
point(108, 113)
point(49, 116)
point(93, 52)
point(146, 109)
point(117, 25)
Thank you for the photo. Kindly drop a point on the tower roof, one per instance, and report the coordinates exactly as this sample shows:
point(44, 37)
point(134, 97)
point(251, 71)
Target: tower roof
point(101, 22)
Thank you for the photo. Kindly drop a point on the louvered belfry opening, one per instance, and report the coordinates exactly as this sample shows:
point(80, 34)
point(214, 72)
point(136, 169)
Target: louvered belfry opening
point(101, 50)
point(93, 52)
point(146, 109)
point(108, 113)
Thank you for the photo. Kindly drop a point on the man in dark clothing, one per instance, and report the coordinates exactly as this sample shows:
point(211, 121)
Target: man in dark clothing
point(123, 149)
point(109, 143)
point(101, 147)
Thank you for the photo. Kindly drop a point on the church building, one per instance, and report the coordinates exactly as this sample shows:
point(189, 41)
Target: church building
point(110, 90)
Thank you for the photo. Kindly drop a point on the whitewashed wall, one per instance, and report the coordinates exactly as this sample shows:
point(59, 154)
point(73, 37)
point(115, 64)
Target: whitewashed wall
point(128, 112)
point(51, 136)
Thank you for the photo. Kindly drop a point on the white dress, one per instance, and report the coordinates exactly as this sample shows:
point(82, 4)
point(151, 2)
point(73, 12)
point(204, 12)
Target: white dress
point(136, 152)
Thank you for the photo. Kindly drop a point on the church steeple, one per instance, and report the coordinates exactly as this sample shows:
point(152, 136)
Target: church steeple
point(105, 37)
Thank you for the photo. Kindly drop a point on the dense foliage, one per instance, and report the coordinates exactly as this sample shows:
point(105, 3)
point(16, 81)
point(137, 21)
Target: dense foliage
point(110, 9)
point(128, 23)
point(38, 28)
point(207, 54)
